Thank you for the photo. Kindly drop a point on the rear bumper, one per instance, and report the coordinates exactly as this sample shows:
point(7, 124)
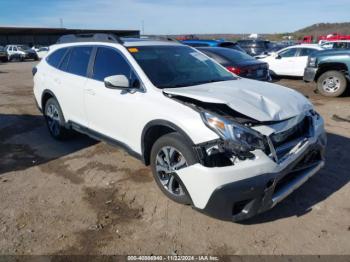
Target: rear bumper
point(246, 198)
point(266, 77)
point(309, 74)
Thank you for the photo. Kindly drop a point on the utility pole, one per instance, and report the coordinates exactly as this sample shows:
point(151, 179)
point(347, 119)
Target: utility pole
point(61, 23)
point(143, 27)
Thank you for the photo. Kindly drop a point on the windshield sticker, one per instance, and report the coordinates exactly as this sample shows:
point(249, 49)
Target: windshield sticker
point(199, 56)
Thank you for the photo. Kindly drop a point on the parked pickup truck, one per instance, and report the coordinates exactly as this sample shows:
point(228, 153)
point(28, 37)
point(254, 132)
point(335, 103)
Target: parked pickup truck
point(330, 70)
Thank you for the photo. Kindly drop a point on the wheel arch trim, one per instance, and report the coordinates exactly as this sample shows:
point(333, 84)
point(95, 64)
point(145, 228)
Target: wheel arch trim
point(161, 123)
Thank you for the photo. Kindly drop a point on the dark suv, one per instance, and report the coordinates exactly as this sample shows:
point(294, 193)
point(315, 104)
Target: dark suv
point(254, 46)
point(330, 70)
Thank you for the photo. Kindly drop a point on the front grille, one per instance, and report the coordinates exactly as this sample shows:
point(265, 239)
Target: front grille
point(285, 141)
point(309, 160)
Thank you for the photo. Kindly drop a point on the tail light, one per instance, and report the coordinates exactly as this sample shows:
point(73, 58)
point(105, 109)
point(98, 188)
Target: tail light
point(235, 70)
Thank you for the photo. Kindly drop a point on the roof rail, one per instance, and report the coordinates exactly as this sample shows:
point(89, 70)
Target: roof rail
point(151, 37)
point(73, 38)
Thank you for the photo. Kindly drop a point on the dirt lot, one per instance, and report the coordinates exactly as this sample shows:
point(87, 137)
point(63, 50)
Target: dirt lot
point(85, 197)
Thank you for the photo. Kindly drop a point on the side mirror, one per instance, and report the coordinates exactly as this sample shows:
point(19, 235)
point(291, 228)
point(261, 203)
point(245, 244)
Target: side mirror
point(278, 57)
point(117, 82)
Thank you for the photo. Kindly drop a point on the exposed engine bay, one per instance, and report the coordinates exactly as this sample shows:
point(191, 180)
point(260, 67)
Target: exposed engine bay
point(226, 152)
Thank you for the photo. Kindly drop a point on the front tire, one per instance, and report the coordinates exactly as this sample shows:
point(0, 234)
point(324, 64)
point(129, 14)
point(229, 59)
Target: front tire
point(55, 120)
point(332, 84)
point(169, 154)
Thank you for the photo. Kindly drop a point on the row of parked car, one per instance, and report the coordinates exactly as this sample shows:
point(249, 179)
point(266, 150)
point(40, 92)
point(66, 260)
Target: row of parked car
point(327, 64)
point(22, 53)
point(255, 59)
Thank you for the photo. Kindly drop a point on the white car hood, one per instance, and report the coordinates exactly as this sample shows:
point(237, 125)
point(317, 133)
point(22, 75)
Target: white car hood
point(258, 100)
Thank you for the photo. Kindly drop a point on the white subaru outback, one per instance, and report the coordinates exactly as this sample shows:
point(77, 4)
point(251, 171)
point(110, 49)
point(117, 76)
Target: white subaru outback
point(230, 147)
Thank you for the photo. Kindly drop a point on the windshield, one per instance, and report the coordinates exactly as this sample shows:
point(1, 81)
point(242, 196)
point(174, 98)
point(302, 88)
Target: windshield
point(178, 66)
point(23, 47)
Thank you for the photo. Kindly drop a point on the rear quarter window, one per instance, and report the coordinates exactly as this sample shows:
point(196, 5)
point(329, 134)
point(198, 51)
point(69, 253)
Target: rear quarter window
point(55, 58)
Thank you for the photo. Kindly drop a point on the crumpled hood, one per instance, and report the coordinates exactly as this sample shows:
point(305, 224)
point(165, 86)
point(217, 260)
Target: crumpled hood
point(259, 100)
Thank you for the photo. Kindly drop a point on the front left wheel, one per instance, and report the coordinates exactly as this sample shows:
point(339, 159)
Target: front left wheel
point(169, 154)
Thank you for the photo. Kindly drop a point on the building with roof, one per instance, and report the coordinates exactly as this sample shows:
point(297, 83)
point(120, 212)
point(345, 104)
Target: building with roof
point(48, 36)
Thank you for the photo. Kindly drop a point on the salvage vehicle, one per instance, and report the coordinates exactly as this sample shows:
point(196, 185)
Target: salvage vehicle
point(3, 54)
point(290, 61)
point(213, 43)
point(238, 63)
point(20, 52)
point(230, 147)
point(330, 70)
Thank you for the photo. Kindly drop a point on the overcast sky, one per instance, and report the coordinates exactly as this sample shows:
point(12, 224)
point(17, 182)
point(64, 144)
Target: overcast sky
point(176, 16)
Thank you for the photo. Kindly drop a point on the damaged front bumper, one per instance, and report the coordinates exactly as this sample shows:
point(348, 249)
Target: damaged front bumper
point(252, 186)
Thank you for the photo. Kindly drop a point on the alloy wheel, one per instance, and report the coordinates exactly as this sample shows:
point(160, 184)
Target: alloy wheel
point(53, 119)
point(168, 161)
point(331, 84)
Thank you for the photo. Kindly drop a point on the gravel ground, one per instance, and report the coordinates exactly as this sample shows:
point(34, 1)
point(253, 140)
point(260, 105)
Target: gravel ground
point(85, 197)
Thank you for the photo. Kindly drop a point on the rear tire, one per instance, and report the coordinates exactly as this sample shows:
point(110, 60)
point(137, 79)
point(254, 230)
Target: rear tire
point(332, 84)
point(170, 153)
point(55, 120)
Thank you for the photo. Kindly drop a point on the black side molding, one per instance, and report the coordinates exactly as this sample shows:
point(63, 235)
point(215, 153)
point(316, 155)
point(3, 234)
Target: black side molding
point(98, 136)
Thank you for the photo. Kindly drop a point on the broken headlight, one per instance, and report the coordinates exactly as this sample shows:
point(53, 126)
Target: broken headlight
point(244, 139)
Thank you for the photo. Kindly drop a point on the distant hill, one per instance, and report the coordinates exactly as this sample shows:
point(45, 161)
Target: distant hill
point(315, 30)
point(324, 29)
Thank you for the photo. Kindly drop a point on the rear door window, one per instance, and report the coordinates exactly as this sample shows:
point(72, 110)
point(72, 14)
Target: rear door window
point(79, 60)
point(55, 58)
